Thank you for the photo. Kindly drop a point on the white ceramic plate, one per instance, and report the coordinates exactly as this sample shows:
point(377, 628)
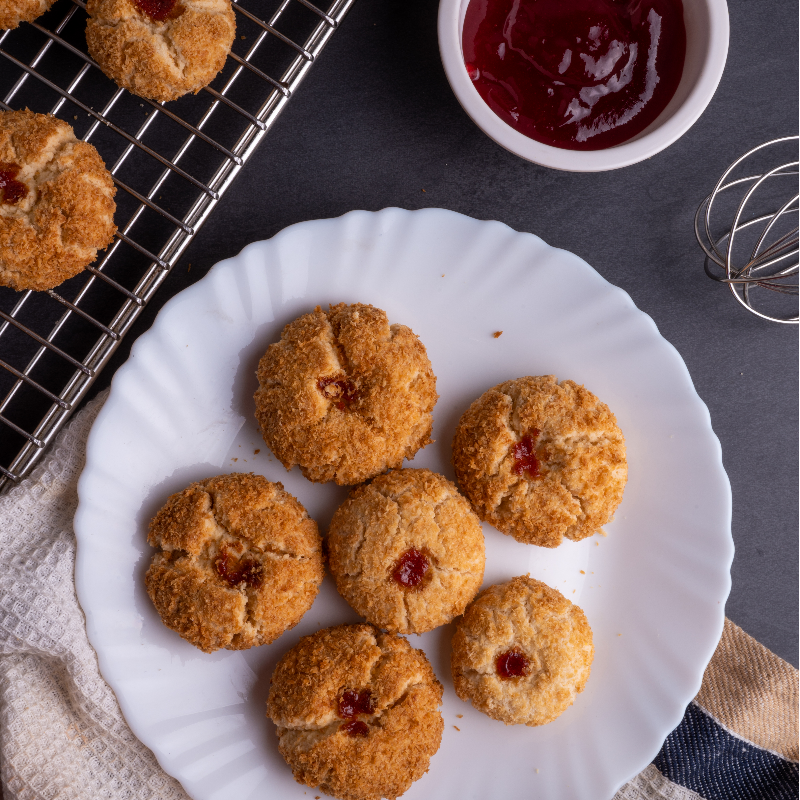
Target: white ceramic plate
point(181, 409)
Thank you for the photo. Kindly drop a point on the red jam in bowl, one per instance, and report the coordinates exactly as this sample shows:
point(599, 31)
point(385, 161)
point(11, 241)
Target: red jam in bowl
point(575, 74)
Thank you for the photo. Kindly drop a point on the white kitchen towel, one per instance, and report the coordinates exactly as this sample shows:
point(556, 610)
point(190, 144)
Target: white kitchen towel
point(63, 737)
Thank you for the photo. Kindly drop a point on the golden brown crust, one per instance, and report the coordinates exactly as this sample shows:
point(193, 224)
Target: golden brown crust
point(67, 215)
point(403, 510)
point(528, 617)
point(581, 454)
point(12, 12)
point(239, 562)
point(160, 60)
point(403, 730)
point(386, 374)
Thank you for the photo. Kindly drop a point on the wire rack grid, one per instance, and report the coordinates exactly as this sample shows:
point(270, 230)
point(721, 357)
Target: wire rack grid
point(171, 165)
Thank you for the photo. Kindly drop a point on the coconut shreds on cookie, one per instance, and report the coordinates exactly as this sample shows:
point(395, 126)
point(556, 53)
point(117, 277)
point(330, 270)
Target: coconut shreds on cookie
point(345, 395)
point(521, 653)
point(407, 551)
point(357, 712)
point(541, 460)
point(238, 562)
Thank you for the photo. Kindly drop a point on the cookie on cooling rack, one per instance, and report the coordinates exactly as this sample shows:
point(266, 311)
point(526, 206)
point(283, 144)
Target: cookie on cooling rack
point(407, 551)
point(160, 49)
point(522, 652)
point(12, 12)
point(239, 562)
point(357, 712)
point(56, 202)
point(541, 460)
point(345, 395)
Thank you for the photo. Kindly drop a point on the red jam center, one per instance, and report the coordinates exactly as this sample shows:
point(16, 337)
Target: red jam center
point(340, 391)
point(525, 460)
point(11, 190)
point(235, 572)
point(513, 664)
point(352, 703)
point(356, 728)
point(159, 10)
point(410, 569)
point(576, 74)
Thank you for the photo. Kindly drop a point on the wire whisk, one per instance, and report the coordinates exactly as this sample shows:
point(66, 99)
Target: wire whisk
point(766, 267)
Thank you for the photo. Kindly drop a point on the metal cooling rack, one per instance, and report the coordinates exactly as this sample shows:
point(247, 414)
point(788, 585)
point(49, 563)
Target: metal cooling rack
point(171, 164)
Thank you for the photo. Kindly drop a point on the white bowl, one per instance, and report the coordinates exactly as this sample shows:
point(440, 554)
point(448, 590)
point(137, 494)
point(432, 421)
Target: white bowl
point(707, 30)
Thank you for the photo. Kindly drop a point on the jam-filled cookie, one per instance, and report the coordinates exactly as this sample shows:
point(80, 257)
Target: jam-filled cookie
point(239, 562)
point(522, 652)
point(541, 460)
point(345, 395)
point(357, 712)
point(56, 201)
point(407, 551)
point(160, 49)
point(12, 12)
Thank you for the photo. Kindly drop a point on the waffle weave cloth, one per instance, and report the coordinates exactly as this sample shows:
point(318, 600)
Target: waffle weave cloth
point(63, 737)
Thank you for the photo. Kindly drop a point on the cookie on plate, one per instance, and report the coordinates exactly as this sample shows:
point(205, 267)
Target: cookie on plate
point(56, 201)
point(239, 562)
point(522, 652)
point(541, 460)
point(357, 712)
point(12, 12)
point(160, 49)
point(345, 395)
point(407, 551)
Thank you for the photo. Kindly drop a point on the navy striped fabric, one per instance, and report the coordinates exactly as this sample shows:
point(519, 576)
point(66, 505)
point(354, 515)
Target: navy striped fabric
point(702, 756)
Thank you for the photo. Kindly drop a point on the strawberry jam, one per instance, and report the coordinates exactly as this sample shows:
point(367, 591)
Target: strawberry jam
point(513, 664)
point(340, 391)
point(11, 190)
point(524, 451)
point(353, 702)
point(410, 569)
point(355, 728)
point(159, 10)
point(235, 572)
point(576, 74)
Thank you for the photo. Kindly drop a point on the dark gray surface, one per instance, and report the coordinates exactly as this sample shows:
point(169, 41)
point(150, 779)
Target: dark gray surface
point(375, 124)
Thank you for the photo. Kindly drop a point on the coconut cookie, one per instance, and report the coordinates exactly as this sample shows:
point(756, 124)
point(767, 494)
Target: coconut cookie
point(407, 551)
point(522, 653)
point(357, 712)
point(160, 49)
point(345, 395)
point(541, 460)
point(239, 562)
point(12, 12)
point(56, 202)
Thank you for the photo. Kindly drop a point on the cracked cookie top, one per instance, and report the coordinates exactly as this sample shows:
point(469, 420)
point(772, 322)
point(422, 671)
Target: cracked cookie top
point(407, 551)
point(56, 202)
point(239, 562)
point(345, 395)
point(521, 653)
point(541, 460)
point(357, 712)
point(160, 49)
point(12, 12)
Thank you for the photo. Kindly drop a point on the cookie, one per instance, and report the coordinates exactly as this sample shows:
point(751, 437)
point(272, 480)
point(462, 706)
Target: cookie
point(56, 202)
point(541, 460)
point(521, 653)
point(12, 12)
point(407, 551)
point(357, 712)
point(345, 395)
point(239, 562)
point(160, 49)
